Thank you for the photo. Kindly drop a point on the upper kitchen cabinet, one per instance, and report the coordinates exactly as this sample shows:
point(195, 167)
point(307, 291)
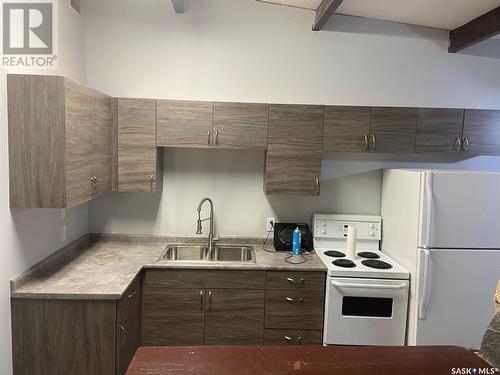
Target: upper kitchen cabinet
point(293, 161)
point(439, 130)
point(240, 125)
point(59, 141)
point(393, 130)
point(346, 129)
point(138, 164)
point(185, 124)
point(481, 132)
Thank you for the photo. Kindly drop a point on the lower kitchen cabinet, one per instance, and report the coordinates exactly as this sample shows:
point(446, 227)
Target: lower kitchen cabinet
point(203, 307)
point(234, 317)
point(77, 337)
point(173, 316)
point(63, 337)
point(294, 308)
point(128, 327)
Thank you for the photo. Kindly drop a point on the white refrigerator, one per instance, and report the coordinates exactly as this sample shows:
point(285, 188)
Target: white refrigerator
point(444, 227)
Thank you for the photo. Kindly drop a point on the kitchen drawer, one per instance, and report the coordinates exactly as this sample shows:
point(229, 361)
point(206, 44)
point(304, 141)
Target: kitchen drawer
point(296, 280)
point(202, 279)
point(293, 337)
point(130, 301)
point(294, 309)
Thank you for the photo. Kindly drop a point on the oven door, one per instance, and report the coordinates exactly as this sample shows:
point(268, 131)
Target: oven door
point(365, 311)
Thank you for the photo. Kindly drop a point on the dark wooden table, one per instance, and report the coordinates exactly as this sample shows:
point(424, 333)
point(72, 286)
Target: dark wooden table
point(345, 360)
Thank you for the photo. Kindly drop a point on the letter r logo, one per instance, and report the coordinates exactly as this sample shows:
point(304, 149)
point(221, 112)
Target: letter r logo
point(27, 28)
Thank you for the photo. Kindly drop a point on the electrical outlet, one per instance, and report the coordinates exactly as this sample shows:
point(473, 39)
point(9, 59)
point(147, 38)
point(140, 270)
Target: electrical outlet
point(270, 224)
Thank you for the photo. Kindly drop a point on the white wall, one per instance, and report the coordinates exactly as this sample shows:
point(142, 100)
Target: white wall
point(252, 51)
point(244, 50)
point(233, 179)
point(30, 235)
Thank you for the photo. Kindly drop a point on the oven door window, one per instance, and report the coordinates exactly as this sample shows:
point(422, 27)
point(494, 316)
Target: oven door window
point(367, 306)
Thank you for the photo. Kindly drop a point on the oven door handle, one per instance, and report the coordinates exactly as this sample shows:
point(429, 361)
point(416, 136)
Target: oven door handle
point(369, 286)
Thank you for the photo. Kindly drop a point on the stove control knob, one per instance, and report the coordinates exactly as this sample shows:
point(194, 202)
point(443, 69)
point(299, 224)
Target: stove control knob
point(372, 226)
point(371, 233)
point(323, 231)
point(323, 223)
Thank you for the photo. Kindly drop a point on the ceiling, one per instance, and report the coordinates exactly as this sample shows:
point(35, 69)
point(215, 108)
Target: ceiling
point(440, 14)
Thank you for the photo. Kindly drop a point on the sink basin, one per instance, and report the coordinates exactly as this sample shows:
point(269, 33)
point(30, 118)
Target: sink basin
point(200, 253)
point(232, 254)
point(183, 252)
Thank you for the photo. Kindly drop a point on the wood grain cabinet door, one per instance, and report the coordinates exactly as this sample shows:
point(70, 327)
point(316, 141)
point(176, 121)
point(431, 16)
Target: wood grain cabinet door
point(128, 327)
point(481, 132)
point(295, 142)
point(346, 129)
point(137, 155)
point(240, 125)
point(79, 135)
point(184, 124)
point(172, 316)
point(393, 129)
point(439, 130)
point(102, 152)
point(234, 317)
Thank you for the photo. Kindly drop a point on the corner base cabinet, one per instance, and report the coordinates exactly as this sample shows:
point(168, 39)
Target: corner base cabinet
point(77, 337)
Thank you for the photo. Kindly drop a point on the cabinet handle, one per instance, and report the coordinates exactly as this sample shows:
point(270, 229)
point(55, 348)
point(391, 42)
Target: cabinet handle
point(131, 295)
point(289, 339)
point(458, 145)
point(365, 142)
point(465, 144)
point(210, 300)
point(292, 281)
point(151, 181)
point(374, 142)
point(217, 138)
point(201, 299)
point(124, 335)
point(293, 300)
point(208, 140)
point(93, 185)
point(317, 186)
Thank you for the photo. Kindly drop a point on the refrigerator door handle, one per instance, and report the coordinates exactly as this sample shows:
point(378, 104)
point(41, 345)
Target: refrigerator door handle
point(425, 239)
point(424, 295)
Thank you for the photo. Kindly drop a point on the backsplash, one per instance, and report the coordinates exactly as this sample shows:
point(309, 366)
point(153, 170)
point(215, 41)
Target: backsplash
point(234, 180)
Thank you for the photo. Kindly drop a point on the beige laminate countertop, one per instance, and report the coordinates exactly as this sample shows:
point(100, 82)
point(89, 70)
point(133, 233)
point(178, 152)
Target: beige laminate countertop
point(103, 269)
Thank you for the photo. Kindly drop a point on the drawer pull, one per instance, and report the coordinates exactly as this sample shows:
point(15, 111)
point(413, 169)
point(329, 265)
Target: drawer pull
point(131, 295)
point(290, 339)
point(293, 282)
point(292, 300)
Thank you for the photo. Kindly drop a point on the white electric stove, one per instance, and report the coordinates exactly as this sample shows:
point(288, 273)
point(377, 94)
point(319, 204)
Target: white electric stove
point(366, 297)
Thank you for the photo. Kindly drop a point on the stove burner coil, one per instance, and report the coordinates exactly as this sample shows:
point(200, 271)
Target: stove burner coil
point(346, 263)
point(376, 264)
point(334, 253)
point(368, 254)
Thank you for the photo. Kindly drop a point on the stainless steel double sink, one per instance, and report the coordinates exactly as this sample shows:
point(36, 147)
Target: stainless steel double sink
point(201, 253)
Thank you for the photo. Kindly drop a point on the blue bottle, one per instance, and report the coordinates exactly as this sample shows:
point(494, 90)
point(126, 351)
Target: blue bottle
point(296, 241)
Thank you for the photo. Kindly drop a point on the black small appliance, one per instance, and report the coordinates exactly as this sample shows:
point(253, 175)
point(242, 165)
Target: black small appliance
point(283, 236)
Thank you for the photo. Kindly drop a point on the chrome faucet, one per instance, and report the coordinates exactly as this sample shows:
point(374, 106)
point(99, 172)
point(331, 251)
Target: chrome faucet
point(199, 228)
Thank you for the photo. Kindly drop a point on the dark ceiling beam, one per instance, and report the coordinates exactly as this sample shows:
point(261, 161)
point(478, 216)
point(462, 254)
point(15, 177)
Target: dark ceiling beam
point(324, 12)
point(480, 28)
point(178, 6)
